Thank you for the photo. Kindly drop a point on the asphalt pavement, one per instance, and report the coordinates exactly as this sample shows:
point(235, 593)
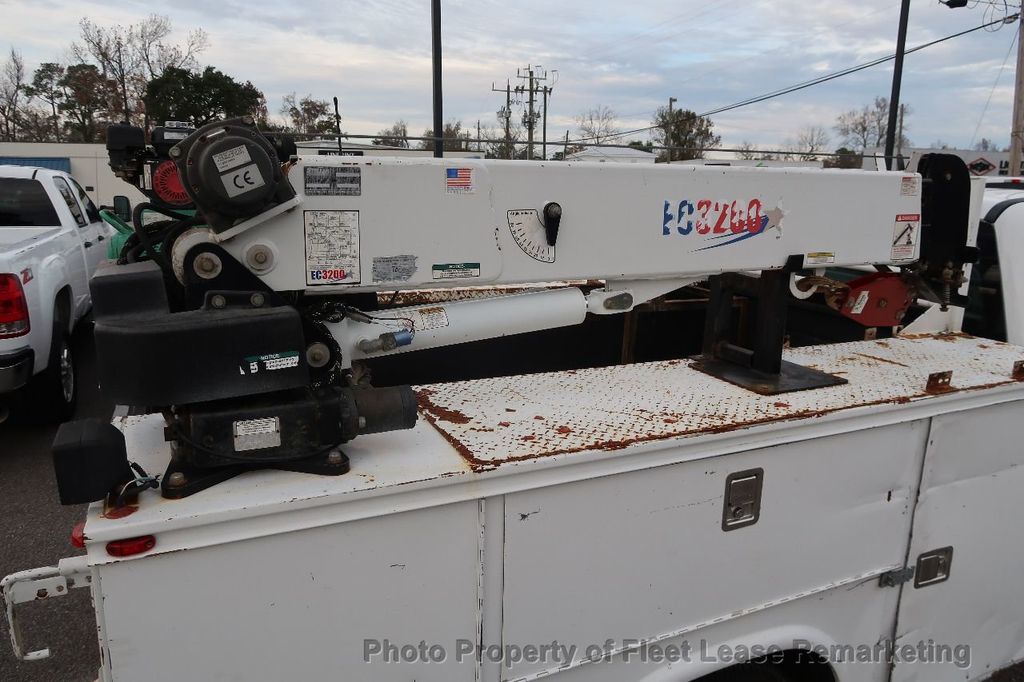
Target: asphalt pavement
point(36, 531)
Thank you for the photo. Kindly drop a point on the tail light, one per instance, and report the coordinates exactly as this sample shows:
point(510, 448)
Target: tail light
point(13, 307)
point(131, 546)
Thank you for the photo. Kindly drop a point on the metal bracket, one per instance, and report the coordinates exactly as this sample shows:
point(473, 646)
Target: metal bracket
point(759, 368)
point(933, 567)
point(896, 577)
point(939, 382)
point(742, 499)
point(38, 584)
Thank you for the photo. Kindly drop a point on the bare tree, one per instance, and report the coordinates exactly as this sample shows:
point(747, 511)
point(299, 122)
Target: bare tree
point(395, 136)
point(746, 151)
point(12, 83)
point(454, 137)
point(112, 49)
point(134, 54)
point(149, 37)
point(598, 124)
point(866, 127)
point(811, 141)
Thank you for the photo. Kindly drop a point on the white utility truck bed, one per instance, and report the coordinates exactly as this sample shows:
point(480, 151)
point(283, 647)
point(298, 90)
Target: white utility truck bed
point(588, 507)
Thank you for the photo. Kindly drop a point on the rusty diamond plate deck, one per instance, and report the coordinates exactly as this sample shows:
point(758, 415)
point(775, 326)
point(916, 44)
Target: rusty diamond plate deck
point(493, 421)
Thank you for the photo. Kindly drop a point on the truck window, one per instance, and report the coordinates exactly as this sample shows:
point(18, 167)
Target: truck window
point(69, 199)
point(25, 203)
point(91, 212)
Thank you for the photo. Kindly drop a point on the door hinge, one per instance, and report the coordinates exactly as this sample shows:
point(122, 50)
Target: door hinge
point(896, 577)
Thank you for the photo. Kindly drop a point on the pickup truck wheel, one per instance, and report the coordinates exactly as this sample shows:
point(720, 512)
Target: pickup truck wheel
point(54, 392)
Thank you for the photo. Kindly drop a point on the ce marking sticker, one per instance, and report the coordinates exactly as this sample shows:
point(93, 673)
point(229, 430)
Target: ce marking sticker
point(242, 180)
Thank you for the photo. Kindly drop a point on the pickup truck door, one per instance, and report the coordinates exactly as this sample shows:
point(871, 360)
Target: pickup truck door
point(966, 595)
point(90, 250)
point(97, 231)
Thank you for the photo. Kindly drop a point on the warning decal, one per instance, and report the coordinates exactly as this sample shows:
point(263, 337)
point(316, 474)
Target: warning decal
point(456, 270)
point(905, 236)
point(426, 319)
point(332, 247)
point(910, 186)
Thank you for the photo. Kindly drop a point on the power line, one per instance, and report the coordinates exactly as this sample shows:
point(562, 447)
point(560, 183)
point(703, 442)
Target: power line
point(819, 80)
point(988, 101)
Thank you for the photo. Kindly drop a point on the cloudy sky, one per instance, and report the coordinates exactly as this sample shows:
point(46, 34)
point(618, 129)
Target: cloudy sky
point(630, 56)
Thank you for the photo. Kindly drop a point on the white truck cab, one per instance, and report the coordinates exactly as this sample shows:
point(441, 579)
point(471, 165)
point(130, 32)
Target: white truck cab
point(51, 241)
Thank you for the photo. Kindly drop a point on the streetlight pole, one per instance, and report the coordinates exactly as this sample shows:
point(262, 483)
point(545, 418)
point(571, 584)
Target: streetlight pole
point(435, 17)
point(897, 80)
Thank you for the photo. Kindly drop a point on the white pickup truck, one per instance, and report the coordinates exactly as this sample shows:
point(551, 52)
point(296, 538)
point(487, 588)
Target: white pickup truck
point(51, 240)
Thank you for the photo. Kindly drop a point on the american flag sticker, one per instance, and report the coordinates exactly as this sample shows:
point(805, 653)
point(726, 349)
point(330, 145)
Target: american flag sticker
point(458, 180)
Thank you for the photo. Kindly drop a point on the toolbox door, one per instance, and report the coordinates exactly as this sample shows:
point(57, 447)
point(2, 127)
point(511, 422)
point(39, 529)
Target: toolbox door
point(962, 612)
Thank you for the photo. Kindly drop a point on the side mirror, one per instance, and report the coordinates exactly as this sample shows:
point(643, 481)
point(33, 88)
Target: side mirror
point(123, 208)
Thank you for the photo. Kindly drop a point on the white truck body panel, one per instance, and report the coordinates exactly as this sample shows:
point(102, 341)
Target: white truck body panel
point(650, 222)
point(585, 506)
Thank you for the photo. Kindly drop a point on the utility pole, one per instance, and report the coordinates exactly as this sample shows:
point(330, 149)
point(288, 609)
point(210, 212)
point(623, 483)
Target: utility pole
point(544, 127)
point(478, 135)
point(668, 128)
point(565, 149)
point(505, 114)
point(899, 137)
point(897, 80)
point(1017, 129)
point(531, 89)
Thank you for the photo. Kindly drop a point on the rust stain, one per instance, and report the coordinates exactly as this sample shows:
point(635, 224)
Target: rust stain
point(539, 418)
point(612, 439)
point(444, 414)
point(509, 409)
point(480, 465)
point(878, 359)
point(119, 512)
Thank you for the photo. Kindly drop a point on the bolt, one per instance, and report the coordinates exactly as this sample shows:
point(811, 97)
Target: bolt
point(318, 354)
point(259, 257)
point(257, 300)
point(737, 512)
point(176, 480)
point(207, 265)
point(218, 301)
point(175, 151)
point(882, 303)
point(334, 457)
